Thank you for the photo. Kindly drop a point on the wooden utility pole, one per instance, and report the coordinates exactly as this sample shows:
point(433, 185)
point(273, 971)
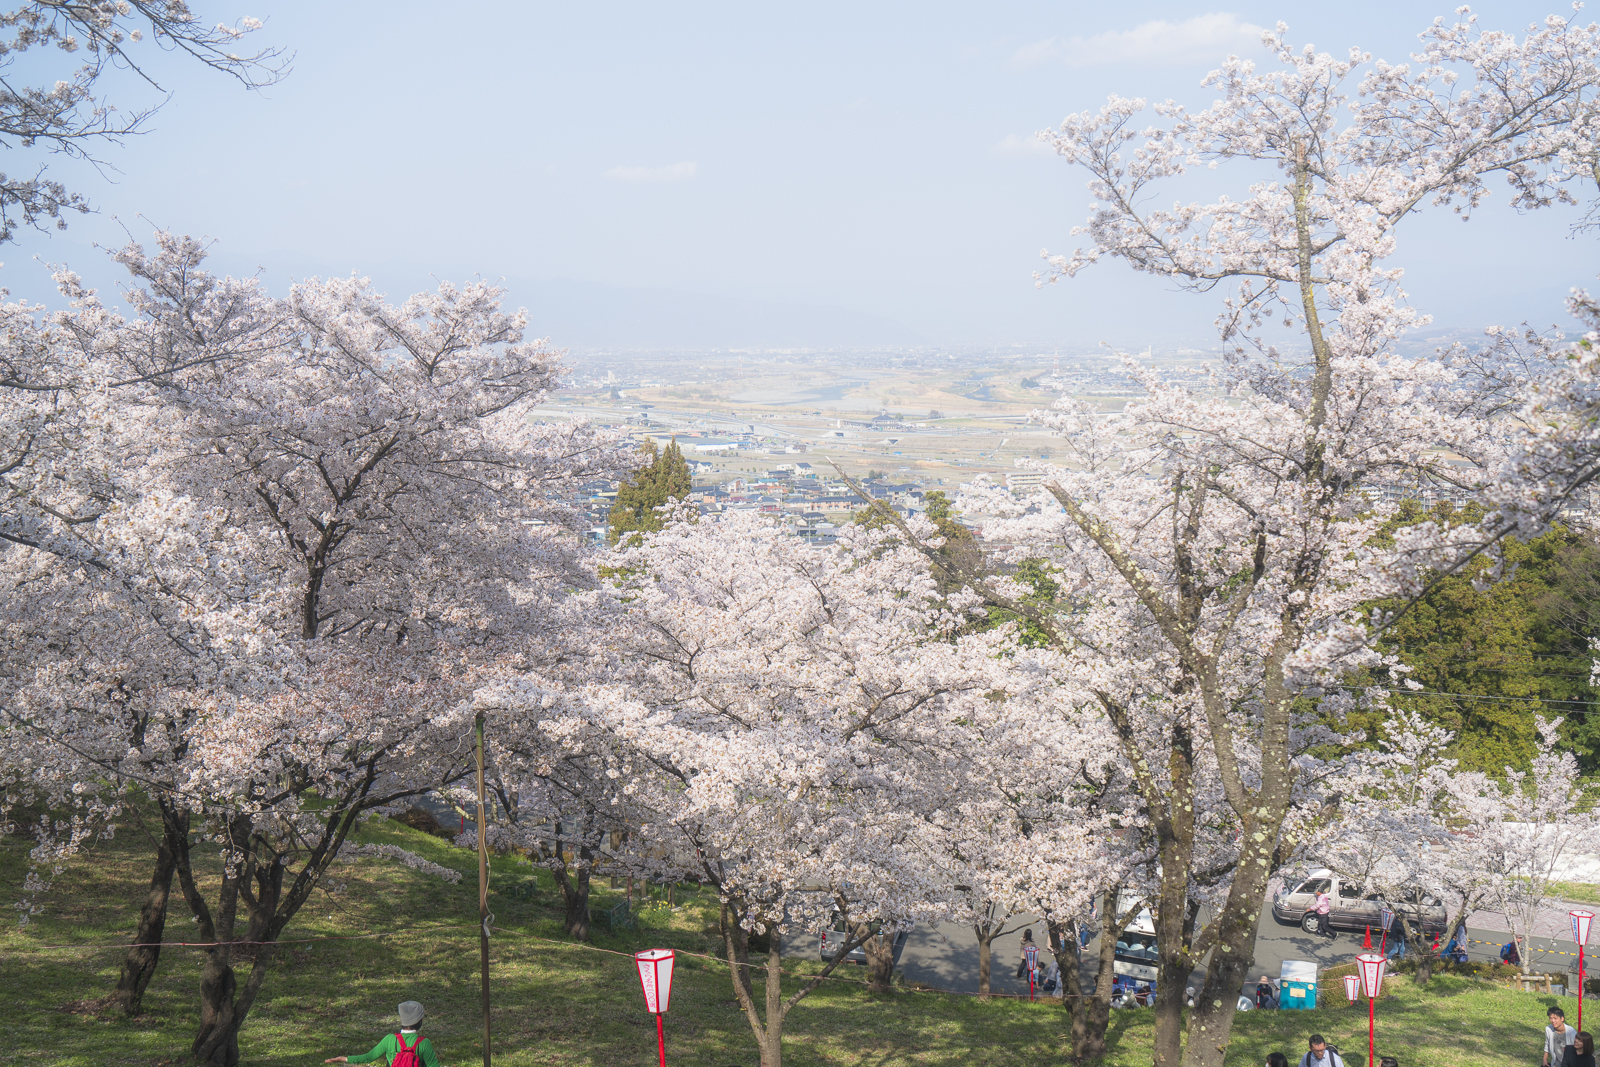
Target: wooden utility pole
point(483, 893)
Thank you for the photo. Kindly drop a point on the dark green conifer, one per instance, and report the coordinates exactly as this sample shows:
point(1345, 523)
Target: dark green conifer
point(665, 476)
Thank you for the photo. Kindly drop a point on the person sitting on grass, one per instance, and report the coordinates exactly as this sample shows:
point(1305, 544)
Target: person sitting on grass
point(408, 1048)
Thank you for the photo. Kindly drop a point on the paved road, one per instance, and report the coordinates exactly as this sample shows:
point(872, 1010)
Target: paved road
point(946, 956)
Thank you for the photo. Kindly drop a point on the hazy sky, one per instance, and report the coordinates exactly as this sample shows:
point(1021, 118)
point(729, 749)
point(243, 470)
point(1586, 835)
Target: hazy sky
point(876, 157)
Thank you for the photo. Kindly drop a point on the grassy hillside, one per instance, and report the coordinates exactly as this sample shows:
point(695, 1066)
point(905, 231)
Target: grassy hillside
point(558, 1003)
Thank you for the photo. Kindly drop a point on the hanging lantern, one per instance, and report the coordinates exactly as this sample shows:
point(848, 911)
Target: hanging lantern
point(1352, 987)
point(1385, 916)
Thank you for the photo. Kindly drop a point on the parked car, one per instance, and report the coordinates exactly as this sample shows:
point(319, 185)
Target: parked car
point(1353, 909)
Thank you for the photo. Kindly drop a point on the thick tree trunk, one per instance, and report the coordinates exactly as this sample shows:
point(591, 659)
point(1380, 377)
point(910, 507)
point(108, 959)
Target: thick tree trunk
point(772, 1047)
point(140, 965)
point(985, 957)
point(1176, 835)
point(574, 886)
point(1211, 1021)
point(253, 880)
point(1066, 949)
point(879, 950)
point(575, 894)
point(1421, 950)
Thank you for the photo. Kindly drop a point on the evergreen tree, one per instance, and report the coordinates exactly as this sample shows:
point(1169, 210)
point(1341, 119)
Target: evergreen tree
point(959, 543)
point(665, 476)
point(1490, 660)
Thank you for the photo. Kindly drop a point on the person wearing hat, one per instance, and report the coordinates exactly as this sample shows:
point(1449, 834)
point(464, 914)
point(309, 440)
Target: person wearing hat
point(409, 1039)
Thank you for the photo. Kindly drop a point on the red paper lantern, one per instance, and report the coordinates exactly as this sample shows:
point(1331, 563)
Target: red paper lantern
point(1352, 987)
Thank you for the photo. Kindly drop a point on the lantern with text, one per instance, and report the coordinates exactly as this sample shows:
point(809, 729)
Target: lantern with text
point(655, 975)
point(1385, 916)
point(1372, 968)
point(1352, 987)
point(1580, 934)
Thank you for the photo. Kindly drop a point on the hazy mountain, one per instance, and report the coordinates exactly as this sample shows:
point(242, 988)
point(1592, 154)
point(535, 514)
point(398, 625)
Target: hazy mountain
point(592, 315)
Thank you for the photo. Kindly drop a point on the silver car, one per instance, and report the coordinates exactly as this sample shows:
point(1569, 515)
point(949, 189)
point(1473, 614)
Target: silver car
point(1352, 908)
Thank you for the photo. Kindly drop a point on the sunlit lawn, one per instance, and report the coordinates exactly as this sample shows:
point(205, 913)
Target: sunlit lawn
point(559, 1003)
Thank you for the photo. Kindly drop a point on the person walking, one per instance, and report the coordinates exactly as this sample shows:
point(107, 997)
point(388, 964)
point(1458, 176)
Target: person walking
point(1558, 1036)
point(1581, 1052)
point(1323, 905)
point(1277, 1059)
point(1320, 1055)
point(407, 1048)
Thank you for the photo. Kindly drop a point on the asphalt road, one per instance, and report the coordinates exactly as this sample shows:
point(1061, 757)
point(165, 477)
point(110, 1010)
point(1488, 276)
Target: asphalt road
point(946, 956)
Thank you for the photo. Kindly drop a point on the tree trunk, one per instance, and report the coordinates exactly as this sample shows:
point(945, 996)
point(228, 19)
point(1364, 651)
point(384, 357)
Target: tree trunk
point(1105, 983)
point(1065, 948)
point(1211, 1021)
point(879, 950)
point(254, 880)
point(985, 957)
point(140, 965)
point(736, 943)
point(575, 890)
point(1175, 833)
point(772, 1047)
point(1419, 948)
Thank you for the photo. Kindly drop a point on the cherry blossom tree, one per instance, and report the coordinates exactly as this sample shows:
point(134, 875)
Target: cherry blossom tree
point(1523, 827)
point(71, 115)
point(788, 722)
point(1411, 821)
point(382, 529)
point(1218, 546)
point(1396, 831)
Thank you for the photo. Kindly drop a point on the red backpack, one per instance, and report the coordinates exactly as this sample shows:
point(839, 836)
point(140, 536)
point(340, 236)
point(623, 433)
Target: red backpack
point(406, 1057)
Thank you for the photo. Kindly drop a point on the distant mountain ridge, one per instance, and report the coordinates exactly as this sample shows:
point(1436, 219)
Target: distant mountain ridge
point(593, 315)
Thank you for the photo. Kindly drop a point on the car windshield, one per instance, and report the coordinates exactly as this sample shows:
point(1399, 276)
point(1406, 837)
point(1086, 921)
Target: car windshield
point(1313, 885)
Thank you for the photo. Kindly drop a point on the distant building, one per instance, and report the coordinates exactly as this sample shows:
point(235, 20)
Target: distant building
point(1024, 481)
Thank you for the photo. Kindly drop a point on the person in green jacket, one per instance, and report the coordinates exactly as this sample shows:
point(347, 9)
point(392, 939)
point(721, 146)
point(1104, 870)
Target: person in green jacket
point(410, 1031)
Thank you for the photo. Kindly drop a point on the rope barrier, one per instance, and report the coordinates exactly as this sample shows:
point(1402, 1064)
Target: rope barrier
point(379, 935)
point(120, 946)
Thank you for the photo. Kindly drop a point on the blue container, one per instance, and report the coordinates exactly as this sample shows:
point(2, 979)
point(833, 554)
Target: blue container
point(1294, 996)
point(1297, 985)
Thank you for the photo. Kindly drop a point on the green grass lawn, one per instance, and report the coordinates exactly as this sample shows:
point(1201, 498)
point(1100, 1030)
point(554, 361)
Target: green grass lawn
point(560, 1003)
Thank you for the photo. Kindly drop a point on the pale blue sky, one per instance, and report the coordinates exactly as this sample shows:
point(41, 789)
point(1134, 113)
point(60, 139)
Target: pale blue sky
point(874, 157)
